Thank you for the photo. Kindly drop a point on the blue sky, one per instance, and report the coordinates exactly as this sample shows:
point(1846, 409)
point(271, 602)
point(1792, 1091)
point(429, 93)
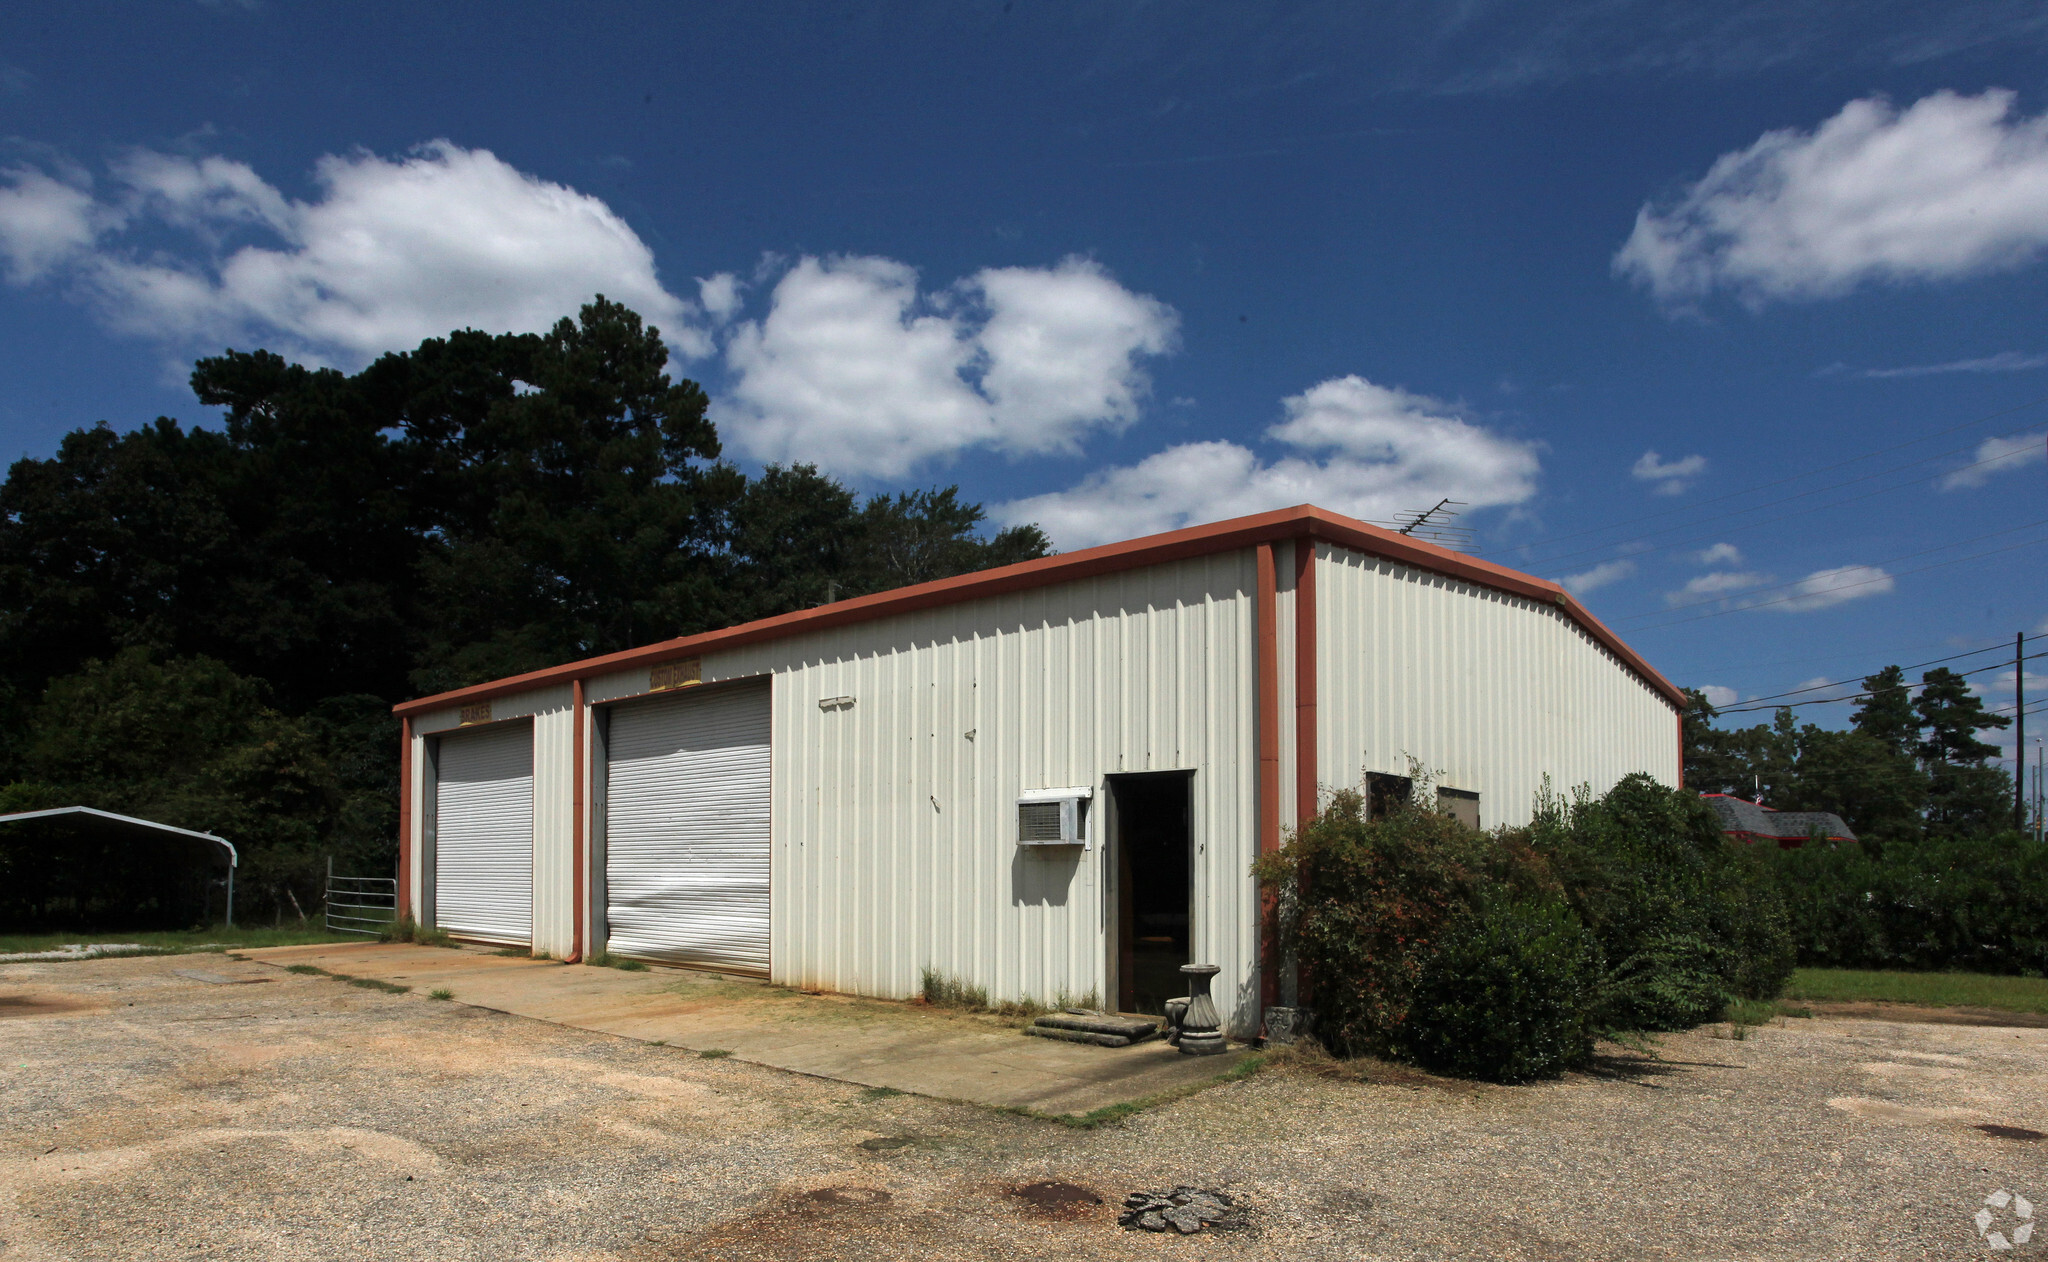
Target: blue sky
point(1646, 284)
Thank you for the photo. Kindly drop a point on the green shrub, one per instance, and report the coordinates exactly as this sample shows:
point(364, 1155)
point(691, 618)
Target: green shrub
point(1685, 918)
point(1749, 918)
point(1507, 995)
point(1502, 955)
point(1977, 904)
point(1375, 897)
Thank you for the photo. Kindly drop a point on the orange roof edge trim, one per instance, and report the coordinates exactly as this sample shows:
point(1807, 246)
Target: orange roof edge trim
point(1304, 521)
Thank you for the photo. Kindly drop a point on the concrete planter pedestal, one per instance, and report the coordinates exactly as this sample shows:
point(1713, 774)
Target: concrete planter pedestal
point(1200, 1029)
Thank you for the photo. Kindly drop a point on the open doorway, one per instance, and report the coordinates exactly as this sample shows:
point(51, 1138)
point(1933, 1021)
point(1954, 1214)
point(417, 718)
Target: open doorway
point(1153, 841)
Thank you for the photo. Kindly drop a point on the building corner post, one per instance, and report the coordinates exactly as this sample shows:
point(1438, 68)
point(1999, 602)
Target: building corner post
point(1268, 691)
point(405, 854)
point(579, 826)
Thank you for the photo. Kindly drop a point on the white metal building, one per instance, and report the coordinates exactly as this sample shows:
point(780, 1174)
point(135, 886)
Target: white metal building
point(1049, 779)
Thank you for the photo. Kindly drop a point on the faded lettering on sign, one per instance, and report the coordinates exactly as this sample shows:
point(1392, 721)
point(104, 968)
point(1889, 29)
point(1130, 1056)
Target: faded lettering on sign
point(675, 674)
point(478, 713)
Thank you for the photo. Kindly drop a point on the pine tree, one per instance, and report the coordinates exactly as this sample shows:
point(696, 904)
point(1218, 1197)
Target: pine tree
point(1887, 713)
point(1964, 794)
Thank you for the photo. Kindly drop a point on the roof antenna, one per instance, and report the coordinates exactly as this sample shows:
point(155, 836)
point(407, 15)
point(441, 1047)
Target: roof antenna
point(1433, 524)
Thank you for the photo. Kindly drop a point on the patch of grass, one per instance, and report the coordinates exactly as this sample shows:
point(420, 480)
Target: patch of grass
point(715, 1053)
point(175, 942)
point(1961, 990)
point(367, 983)
point(605, 959)
point(372, 983)
point(942, 991)
point(440, 992)
point(515, 952)
point(879, 1093)
point(1741, 1013)
point(406, 929)
point(1110, 1113)
point(938, 990)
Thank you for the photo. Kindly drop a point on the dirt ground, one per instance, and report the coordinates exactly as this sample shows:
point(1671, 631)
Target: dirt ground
point(151, 1114)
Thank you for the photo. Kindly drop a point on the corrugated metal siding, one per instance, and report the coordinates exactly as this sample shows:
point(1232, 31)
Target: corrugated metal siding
point(894, 828)
point(1491, 692)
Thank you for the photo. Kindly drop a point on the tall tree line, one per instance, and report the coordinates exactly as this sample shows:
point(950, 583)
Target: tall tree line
point(1906, 768)
point(208, 626)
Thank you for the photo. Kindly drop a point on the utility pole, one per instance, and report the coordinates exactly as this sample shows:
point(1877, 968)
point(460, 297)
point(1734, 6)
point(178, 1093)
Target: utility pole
point(2019, 709)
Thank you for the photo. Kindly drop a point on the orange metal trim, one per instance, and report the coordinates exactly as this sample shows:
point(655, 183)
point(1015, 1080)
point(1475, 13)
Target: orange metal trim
point(1307, 776)
point(580, 825)
point(1269, 760)
point(1301, 522)
point(405, 815)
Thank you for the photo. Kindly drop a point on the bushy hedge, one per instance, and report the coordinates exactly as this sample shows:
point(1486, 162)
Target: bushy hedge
point(1975, 905)
point(1508, 993)
point(1503, 955)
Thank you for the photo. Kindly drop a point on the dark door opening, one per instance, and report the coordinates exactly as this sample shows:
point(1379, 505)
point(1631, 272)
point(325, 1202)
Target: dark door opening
point(1155, 886)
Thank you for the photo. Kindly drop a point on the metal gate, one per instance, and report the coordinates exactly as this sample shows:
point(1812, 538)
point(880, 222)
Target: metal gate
point(360, 904)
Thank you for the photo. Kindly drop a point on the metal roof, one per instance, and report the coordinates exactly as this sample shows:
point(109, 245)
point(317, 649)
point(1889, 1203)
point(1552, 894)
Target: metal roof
point(1304, 521)
point(127, 824)
point(1742, 817)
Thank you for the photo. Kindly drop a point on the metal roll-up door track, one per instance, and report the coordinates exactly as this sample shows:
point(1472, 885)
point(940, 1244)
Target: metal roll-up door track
point(687, 830)
point(483, 844)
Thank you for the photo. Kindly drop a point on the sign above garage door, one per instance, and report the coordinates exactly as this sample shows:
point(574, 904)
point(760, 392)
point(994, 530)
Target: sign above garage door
point(687, 829)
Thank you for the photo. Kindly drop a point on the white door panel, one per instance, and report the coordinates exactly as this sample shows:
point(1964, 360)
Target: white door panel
point(483, 843)
point(687, 829)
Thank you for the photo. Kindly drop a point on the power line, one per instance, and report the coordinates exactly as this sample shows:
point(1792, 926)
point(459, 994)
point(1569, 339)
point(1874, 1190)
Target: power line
point(1695, 604)
point(1748, 708)
point(1765, 486)
point(1912, 666)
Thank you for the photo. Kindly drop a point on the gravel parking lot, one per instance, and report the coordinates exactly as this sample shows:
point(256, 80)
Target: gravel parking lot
point(156, 1115)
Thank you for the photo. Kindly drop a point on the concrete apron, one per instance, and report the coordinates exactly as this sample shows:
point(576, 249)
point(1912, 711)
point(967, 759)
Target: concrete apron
point(873, 1043)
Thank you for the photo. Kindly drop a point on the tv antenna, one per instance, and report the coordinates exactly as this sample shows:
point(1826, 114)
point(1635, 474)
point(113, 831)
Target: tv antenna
point(1434, 525)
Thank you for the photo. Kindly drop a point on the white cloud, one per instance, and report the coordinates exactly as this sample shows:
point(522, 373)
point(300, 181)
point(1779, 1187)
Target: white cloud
point(392, 251)
point(1719, 554)
point(1670, 476)
point(1599, 576)
point(854, 369)
point(1719, 583)
point(1998, 455)
point(2003, 361)
point(842, 374)
point(1718, 696)
point(1062, 348)
point(720, 296)
point(1824, 589)
point(1365, 450)
point(1952, 186)
point(45, 221)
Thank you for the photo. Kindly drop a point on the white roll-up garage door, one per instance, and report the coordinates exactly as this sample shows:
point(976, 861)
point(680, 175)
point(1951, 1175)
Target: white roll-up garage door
point(483, 834)
point(686, 829)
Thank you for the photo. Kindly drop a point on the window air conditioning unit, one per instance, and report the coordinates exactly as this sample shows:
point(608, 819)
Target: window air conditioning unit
point(1053, 817)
